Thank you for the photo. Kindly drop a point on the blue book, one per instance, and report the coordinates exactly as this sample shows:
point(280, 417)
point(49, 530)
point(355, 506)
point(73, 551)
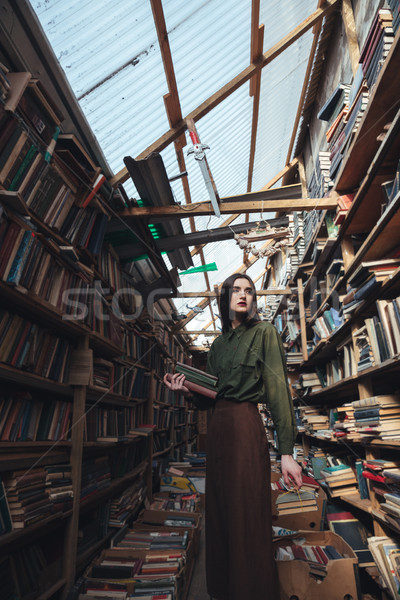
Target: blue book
point(15, 272)
point(362, 482)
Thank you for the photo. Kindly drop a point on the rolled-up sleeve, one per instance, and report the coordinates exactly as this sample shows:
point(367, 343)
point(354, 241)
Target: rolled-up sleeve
point(277, 390)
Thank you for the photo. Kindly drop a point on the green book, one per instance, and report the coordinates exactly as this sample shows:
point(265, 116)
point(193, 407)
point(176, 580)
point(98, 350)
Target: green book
point(197, 376)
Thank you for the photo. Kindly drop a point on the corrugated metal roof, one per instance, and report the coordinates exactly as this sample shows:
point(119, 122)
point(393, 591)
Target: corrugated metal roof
point(111, 56)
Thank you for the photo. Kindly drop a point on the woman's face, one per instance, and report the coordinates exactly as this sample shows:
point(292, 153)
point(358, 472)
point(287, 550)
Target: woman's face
point(241, 298)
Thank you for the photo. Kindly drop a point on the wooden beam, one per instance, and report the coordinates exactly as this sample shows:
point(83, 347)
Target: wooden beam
point(255, 50)
point(223, 93)
point(213, 294)
point(256, 81)
point(306, 81)
point(200, 209)
point(351, 34)
point(198, 332)
point(173, 107)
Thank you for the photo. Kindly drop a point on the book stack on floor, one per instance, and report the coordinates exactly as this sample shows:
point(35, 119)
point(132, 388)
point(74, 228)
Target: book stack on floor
point(339, 480)
point(136, 572)
point(176, 501)
point(378, 416)
point(386, 553)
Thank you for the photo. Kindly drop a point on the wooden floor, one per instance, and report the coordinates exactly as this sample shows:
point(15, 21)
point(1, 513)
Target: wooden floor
point(198, 590)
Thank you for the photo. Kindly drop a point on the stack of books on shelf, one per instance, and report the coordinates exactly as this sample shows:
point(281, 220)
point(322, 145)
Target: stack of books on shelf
point(5, 84)
point(344, 204)
point(96, 476)
point(124, 506)
point(386, 553)
point(342, 422)
point(377, 45)
point(316, 423)
point(339, 480)
point(391, 508)
point(27, 497)
point(378, 416)
point(314, 461)
point(366, 279)
point(334, 112)
point(309, 382)
point(59, 486)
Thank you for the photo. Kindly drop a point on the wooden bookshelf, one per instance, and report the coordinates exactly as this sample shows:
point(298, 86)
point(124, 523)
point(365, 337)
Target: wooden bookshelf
point(31, 207)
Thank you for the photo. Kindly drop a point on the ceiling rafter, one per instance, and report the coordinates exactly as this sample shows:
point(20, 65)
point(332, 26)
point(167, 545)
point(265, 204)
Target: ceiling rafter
point(257, 45)
point(219, 96)
point(239, 206)
point(173, 108)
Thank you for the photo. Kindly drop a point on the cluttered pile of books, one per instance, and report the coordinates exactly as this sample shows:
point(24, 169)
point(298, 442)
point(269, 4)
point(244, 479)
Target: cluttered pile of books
point(378, 416)
point(386, 553)
point(316, 556)
point(339, 480)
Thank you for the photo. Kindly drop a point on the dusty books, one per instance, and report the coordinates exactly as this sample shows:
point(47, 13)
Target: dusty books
point(197, 376)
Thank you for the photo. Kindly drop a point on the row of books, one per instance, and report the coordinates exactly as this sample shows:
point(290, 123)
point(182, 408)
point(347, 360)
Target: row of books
point(24, 418)
point(377, 45)
point(121, 378)
point(112, 424)
point(395, 9)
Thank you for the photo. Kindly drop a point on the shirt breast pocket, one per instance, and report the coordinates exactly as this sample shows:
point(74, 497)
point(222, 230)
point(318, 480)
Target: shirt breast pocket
point(250, 365)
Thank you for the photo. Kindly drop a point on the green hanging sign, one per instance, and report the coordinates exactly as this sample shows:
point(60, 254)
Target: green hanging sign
point(202, 269)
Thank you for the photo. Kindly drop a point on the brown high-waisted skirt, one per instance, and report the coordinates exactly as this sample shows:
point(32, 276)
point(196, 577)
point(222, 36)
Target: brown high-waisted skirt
point(239, 554)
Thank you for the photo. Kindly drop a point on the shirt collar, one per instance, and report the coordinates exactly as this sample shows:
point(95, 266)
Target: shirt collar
point(237, 331)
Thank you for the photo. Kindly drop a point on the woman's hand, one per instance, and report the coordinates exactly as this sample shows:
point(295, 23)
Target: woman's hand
point(177, 384)
point(291, 471)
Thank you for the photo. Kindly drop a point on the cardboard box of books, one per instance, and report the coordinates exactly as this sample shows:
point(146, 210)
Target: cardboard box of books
point(190, 522)
point(293, 510)
point(122, 569)
point(316, 564)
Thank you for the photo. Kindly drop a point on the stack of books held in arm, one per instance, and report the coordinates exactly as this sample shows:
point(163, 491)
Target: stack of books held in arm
point(339, 480)
point(197, 381)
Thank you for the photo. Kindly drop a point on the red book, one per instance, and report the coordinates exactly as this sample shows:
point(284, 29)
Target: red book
point(378, 478)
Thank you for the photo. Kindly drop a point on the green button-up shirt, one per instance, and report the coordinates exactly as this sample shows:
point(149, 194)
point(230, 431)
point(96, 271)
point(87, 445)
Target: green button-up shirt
point(250, 365)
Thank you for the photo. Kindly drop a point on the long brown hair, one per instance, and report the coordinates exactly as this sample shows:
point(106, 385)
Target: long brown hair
point(225, 302)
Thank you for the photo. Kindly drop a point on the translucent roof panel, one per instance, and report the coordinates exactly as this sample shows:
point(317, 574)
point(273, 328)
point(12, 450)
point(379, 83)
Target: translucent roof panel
point(110, 54)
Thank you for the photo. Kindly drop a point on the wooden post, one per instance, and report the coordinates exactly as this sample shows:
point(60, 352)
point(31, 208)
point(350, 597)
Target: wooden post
point(303, 332)
point(77, 434)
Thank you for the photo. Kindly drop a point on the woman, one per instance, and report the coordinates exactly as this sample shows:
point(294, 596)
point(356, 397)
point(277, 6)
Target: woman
point(248, 360)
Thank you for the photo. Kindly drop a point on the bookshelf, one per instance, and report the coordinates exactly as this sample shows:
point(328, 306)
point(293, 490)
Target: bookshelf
point(79, 381)
point(331, 357)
